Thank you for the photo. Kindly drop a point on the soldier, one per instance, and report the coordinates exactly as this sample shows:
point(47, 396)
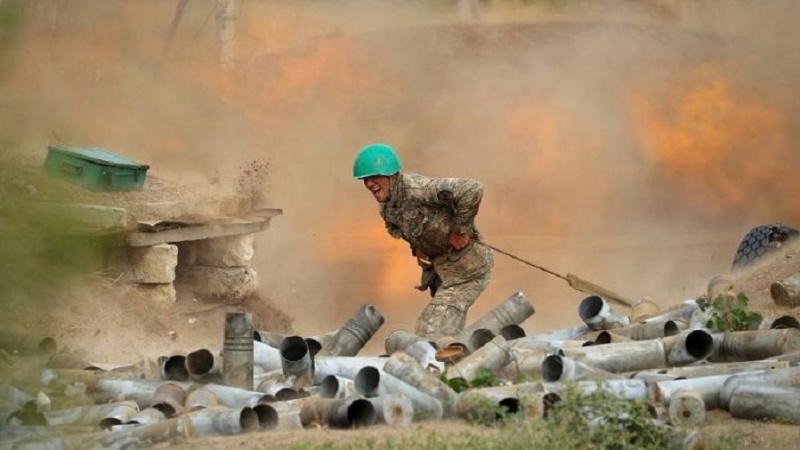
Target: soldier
point(436, 216)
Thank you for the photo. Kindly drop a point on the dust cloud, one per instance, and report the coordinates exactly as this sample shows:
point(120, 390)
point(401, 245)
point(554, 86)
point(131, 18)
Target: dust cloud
point(630, 143)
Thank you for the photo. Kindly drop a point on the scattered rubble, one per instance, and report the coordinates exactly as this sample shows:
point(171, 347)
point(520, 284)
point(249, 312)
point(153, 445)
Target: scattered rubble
point(261, 381)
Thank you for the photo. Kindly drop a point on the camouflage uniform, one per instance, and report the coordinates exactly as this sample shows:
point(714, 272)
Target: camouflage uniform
point(423, 211)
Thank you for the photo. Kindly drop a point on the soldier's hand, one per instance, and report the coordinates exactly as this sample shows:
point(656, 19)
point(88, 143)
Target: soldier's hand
point(459, 240)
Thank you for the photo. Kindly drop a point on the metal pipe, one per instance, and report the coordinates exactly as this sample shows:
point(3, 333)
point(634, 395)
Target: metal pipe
point(220, 420)
point(710, 369)
point(621, 357)
point(687, 408)
point(26, 344)
point(203, 423)
point(566, 334)
point(649, 330)
point(479, 338)
point(700, 319)
point(372, 382)
point(709, 388)
point(268, 417)
point(266, 357)
point(792, 358)
point(296, 360)
point(682, 312)
point(786, 292)
point(789, 377)
point(425, 354)
point(146, 416)
point(232, 397)
point(688, 347)
point(525, 362)
point(336, 387)
point(512, 331)
point(607, 337)
point(512, 311)
point(169, 399)
point(278, 390)
point(643, 309)
point(270, 338)
point(407, 369)
point(393, 409)
point(280, 415)
point(552, 346)
point(140, 391)
point(355, 333)
point(493, 356)
point(315, 343)
point(419, 348)
point(598, 315)
point(754, 345)
point(454, 348)
point(202, 364)
point(173, 368)
point(238, 350)
point(626, 389)
point(200, 398)
point(96, 415)
point(338, 413)
point(60, 379)
point(343, 366)
point(557, 368)
point(785, 321)
point(398, 340)
point(652, 377)
point(766, 402)
point(485, 404)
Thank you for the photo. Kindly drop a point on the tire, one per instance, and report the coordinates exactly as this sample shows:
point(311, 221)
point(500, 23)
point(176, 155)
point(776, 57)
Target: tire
point(760, 241)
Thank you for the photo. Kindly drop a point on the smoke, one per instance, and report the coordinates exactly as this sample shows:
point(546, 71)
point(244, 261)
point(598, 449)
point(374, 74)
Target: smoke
point(631, 143)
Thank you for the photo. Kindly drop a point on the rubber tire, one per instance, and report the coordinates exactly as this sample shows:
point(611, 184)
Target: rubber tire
point(762, 240)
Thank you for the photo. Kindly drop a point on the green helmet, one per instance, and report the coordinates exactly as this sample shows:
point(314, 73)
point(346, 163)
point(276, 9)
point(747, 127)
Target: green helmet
point(376, 159)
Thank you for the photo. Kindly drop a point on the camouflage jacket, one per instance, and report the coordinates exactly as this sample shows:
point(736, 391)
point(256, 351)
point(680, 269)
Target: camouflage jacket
point(423, 211)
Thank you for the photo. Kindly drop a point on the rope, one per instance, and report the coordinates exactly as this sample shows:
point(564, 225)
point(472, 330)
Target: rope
point(535, 266)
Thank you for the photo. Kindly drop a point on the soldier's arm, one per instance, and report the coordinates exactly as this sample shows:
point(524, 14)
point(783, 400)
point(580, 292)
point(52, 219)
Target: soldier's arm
point(462, 195)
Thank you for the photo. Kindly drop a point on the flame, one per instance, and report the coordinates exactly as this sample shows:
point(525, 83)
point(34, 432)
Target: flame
point(708, 139)
point(391, 269)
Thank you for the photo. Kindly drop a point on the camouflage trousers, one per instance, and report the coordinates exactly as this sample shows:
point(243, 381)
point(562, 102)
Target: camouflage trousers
point(446, 314)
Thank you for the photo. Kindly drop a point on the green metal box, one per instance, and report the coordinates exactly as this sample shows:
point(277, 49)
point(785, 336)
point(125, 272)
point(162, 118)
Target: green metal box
point(95, 168)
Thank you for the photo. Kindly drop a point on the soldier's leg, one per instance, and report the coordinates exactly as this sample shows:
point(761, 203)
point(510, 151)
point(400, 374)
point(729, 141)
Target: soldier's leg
point(446, 314)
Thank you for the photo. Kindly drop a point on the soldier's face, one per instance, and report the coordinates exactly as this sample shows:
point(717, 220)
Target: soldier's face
point(378, 186)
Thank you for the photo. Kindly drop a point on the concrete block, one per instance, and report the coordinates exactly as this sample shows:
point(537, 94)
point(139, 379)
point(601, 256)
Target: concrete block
point(157, 293)
point(154, 264)
point(228, 251)
point(216, 284)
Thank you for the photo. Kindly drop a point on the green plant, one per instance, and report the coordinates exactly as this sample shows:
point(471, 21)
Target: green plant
point(729, 314)
point(484, 377)
point(602, 420)
point(457, 384)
